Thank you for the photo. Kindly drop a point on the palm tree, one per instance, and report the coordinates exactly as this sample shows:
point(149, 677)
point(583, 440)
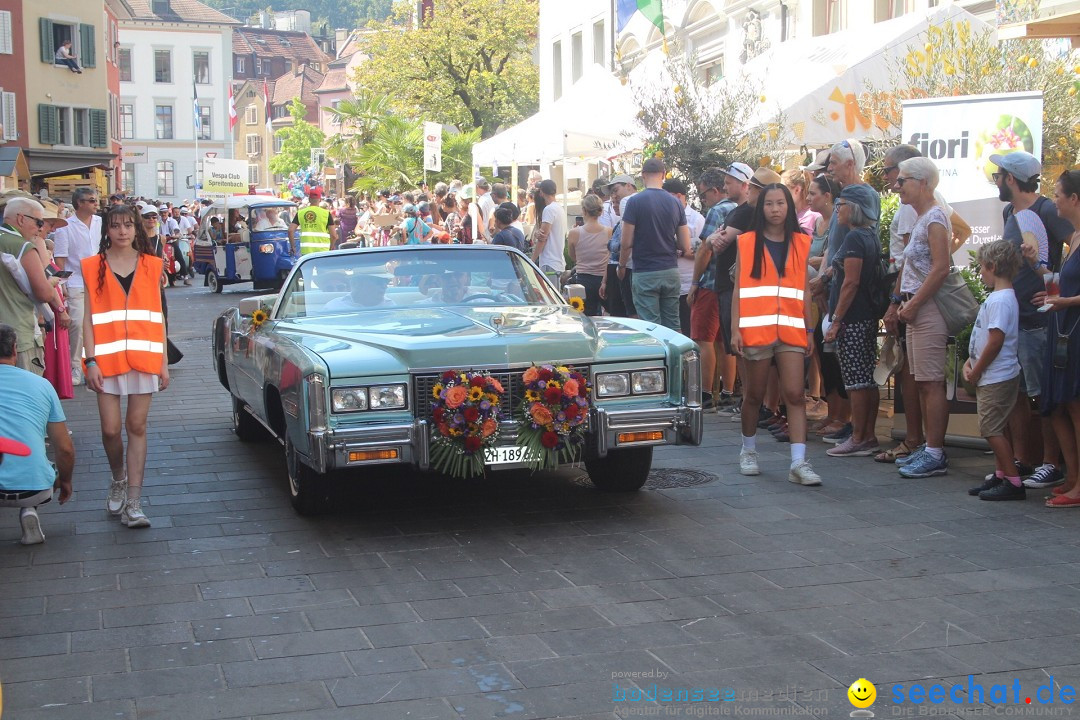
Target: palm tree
point(357, 119)
point(393, 158)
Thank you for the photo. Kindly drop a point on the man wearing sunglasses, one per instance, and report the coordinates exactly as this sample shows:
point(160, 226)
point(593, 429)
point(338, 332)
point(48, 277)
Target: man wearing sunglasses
point(79, 239)
point(24, 222)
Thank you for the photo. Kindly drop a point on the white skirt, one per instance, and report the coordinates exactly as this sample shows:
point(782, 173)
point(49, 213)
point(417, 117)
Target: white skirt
point(132, 382)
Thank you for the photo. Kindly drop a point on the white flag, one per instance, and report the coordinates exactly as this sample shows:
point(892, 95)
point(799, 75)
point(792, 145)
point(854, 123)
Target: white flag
point(433, 147)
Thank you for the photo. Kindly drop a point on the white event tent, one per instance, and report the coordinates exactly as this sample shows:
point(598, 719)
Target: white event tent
point(594, 119)
point(816, 82)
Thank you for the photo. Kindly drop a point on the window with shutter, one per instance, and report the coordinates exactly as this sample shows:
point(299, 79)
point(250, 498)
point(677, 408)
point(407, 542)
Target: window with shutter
point(11, 125)
point(6, 44)
point(48, 124)
point(48, 52)
point(87, 48)
point(99, 129)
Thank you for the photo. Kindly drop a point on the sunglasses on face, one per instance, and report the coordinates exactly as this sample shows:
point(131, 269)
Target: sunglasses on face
point(998, 176)
point(890, 168)
point(841, 203)
point(901, 180)
point(37, 221)
point(150, 216)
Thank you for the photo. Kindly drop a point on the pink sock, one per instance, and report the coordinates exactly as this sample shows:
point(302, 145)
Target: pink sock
point(1014, 480)
point(999, 474)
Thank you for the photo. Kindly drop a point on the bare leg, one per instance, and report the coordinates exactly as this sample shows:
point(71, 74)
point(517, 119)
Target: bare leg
point(708, 364)
point(937, 412)
point(1003, 455)
point(912, 407)
point(1019, 419)
point(754, 378)
point(789, 369)
point(111, 425)
point(137, 410)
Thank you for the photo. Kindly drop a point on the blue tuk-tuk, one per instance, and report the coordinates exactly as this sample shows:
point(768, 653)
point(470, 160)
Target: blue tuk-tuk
point(250, 244)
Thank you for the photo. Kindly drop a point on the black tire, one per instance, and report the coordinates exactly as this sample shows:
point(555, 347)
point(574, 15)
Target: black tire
point(308, 490)
point(213, 282)
point(246, 428)
point(624, 470)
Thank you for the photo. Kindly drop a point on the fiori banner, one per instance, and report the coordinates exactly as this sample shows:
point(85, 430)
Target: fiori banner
point(224, 177)
point(960, 134)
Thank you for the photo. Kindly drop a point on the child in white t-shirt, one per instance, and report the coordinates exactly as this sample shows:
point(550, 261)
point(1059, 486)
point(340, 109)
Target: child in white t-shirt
point(994, 369)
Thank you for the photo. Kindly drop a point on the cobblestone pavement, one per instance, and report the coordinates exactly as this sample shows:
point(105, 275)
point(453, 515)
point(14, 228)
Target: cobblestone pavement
point(518, 596)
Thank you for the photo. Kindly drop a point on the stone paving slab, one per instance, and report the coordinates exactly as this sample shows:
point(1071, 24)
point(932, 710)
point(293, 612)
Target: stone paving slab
point(519, 596)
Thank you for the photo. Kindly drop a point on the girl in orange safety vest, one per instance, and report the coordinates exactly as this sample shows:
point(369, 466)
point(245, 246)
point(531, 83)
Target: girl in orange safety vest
point(770, 323)
point(125, 350)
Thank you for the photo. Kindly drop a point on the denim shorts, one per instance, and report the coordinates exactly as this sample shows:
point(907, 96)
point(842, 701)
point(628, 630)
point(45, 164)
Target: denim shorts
point(1031, 351)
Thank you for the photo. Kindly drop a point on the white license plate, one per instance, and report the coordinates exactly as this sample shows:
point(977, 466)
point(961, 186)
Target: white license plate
point(513, 455)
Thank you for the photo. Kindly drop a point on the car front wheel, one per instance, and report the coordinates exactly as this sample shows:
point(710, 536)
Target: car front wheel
point(246, 428)
point(624, 470)
point(307, 488)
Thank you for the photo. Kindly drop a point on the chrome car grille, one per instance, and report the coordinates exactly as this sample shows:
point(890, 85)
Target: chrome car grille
point(510, 400)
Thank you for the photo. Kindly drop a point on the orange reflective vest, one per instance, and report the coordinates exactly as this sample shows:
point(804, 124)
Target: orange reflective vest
point(129, 329)
point(773, 308)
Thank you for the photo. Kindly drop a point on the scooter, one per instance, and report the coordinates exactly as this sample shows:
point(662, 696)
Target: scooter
point(177, 251)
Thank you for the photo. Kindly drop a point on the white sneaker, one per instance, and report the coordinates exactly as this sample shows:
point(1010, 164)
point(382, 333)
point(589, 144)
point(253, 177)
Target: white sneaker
point(748, 462)
point(76, 376)
point(117, 494)
point(803, 474)
point(31, 527)
point(133, 516)
point(187, 281)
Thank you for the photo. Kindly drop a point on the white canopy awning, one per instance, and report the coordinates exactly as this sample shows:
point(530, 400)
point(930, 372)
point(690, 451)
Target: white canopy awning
point(594, 119)
point(820, 101)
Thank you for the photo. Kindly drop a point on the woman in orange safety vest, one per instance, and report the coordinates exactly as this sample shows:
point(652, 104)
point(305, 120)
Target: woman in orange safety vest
point(125, 350)
point(770, 323)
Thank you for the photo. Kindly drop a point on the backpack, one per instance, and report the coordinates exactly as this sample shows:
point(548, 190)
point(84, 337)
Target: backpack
point(882, 284)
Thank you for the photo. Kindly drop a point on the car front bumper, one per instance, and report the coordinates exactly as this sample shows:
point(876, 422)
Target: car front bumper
point(610, 429)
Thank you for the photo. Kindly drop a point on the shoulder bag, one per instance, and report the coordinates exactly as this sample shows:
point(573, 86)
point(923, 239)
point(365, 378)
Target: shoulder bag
point(958, 307)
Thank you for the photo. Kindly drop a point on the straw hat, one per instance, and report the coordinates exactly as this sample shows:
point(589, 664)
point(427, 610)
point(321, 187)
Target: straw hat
point(889, 361)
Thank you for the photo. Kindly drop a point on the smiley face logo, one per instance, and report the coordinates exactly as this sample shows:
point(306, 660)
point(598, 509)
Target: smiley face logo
point(862, 693)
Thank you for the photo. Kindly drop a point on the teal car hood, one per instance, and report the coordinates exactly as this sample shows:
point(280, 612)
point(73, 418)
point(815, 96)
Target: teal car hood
point(392, 341)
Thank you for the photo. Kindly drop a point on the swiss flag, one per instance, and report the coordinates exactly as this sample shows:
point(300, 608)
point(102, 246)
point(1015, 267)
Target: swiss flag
point(232, 109)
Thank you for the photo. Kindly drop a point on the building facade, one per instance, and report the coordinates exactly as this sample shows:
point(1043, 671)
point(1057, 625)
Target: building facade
point(266, 53)
point(61, 120)
point(169, 54)
point(722, 35)
point(252, 136)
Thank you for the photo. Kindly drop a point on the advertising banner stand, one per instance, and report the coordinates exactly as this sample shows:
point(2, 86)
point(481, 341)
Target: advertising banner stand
point(960, 134)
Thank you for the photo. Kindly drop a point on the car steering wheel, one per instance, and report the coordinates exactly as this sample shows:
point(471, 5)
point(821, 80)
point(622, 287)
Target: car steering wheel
point(493, 297)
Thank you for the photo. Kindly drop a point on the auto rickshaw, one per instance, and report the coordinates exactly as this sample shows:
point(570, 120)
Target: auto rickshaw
point(249, 243)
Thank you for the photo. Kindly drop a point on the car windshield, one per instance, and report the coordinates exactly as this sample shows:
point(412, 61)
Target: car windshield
point(349, 282)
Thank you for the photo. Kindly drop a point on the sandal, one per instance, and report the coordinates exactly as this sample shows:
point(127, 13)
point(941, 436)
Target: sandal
point(1059, 490)
point(901, 450)
point(1063, 501)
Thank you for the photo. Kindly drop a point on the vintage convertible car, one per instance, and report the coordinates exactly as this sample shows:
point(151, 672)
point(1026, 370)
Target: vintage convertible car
point(342, 369)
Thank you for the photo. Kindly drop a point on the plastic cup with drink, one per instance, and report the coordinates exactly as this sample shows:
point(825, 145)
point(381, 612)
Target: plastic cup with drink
point(1052, 281)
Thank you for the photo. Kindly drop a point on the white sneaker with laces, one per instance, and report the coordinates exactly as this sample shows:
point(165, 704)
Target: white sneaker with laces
point(802, 474)
point(117, 494)
point(133, 515)
point(748, 462)
point(31, 527)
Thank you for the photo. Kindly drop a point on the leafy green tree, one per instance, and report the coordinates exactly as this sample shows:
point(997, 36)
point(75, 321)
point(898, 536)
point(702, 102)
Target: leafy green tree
point(297, 142)
point(469, 65)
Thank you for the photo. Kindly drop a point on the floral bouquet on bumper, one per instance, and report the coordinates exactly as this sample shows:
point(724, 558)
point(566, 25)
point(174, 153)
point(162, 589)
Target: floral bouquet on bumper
point(466, 412)
point(554, 415)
